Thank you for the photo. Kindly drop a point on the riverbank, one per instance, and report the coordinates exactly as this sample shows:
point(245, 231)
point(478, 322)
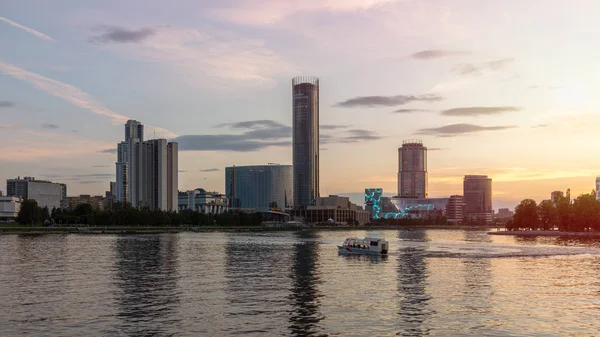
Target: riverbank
point(159, 230)
point(546, 233)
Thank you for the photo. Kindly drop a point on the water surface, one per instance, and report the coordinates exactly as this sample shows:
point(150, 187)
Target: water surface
point(434, 283)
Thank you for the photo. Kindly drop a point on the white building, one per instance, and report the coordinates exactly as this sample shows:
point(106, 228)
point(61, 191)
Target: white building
point(147, 171)
point(597, 188)
point(122, 185)
point(200, 200)
point(9, 207)
point(45, 193)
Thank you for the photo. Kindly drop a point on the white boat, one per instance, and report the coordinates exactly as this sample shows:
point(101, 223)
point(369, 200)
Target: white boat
point(371, 246)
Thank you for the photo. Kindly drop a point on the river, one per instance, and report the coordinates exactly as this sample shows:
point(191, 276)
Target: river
point(434, 283)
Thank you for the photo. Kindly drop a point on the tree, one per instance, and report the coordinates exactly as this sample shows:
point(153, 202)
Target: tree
point(83, 209)
point(564, 210)
point(526, 214)
point(44, 213)
point(586, 212)
point(29, 212)
point(547, 214)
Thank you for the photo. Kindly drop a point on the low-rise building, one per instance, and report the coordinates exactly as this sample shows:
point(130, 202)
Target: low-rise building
point(200, 200)
point(504, 213)
point(334, 209)
point(97, 201)
point(45, 193)
point(9, 207)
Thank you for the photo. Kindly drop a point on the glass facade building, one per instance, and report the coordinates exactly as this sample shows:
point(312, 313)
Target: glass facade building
point(259, 188)
point(412, 170)
point(477, 194)
point(305, 111)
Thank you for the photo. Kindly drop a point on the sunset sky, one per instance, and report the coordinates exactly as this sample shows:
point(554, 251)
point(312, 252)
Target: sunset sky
point(503, 88)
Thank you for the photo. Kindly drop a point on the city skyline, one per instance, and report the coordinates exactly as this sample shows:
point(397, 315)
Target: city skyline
point(473, 87)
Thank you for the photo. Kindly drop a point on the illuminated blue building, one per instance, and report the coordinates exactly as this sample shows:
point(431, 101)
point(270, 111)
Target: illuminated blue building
point(373, 201)
point(381, 207)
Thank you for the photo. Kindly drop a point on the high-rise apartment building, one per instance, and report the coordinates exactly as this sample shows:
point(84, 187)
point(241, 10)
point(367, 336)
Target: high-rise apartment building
point(134, 133)
point(597, 188)
point(412, 170)
point(305, 112)
point(259, 188)
point(147, 171)
point(477, 192)
point(45, 193)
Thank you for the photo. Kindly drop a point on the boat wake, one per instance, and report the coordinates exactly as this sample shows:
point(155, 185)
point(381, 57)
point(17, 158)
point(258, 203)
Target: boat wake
point(490, 250)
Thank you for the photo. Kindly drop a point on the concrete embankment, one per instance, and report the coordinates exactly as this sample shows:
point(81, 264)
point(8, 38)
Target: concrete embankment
point(158, 230)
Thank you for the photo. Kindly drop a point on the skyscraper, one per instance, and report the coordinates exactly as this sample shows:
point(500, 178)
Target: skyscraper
point(597, 188)
point(477, 191)
point(305, 110)
point(147, 171)
point(134, 133)
point(412, 170)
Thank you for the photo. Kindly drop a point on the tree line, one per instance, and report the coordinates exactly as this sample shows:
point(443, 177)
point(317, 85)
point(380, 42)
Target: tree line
point(577, 215)
point(123, 214)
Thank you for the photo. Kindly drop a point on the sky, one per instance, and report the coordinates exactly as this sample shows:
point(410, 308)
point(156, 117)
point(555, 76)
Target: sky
point(503, 88)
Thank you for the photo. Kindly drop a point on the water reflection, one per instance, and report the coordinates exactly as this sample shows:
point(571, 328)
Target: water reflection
point(412, 278)
point(305, 316)
point(146, 276)
point(255, 270)
point(477, 290)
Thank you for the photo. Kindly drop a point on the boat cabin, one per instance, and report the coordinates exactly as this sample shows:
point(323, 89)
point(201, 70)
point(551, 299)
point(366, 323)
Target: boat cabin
point(374, 245)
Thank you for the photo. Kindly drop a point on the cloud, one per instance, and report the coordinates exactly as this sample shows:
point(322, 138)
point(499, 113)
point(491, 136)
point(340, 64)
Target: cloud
point(374, 101)
point(181, 171)
point(480, 68)
point(459, 129)
point(113, 151)
point(261, 129)
point(434, 54)
point(69, 93)
point(123, 35)
point(27, 29)
point(539, 126)
point(261, 134)
point(207, 57)
point(49, 126)
point(100, 165)
point(236, 143)
point(260, 13)
point(359, 135)
point(209, 170)
point(74, 131)
point(257, 124)
point(333, 127)
point(550, 87)
point(435, 149)
point(407, 111)
point(6, 104)
point(96, 175)
point(87, 182)
point(476, 111)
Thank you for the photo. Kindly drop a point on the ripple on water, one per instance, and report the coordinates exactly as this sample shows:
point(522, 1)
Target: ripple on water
point(435, 283)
